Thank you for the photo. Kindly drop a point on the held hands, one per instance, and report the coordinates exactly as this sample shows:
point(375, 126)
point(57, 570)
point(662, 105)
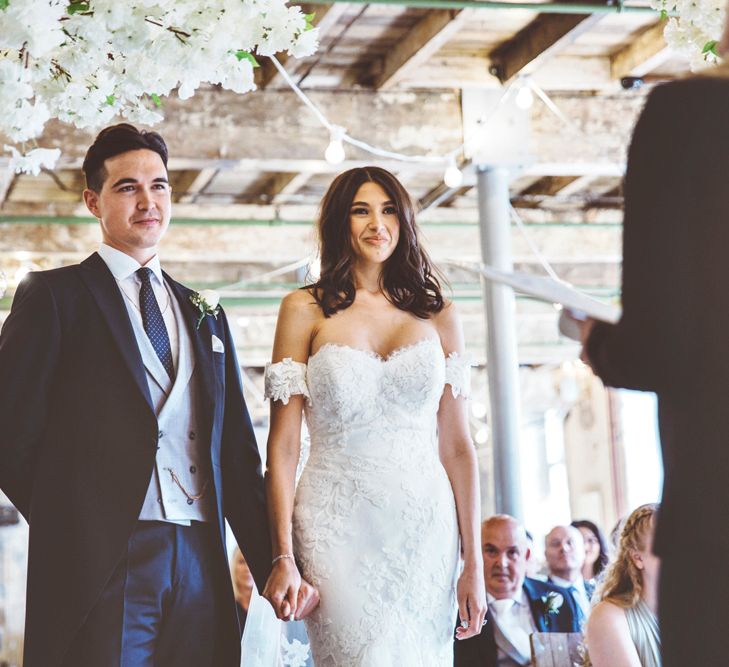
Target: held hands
point(471, 592)
point(291, 597)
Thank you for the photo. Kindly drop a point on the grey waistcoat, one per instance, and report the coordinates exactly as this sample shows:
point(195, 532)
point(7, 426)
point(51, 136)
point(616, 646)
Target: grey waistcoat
point(183, 448)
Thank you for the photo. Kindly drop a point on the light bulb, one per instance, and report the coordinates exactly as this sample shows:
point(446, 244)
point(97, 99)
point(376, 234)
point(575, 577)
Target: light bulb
point(524, 97)
point(482, 435)
point(453, 176)
point(334, 153)
point(3, 284)
point(478, 409)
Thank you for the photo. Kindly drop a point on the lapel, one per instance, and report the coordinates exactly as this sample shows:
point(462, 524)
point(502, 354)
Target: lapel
point(149, 357)
point(535, 605)
point(201, 341)
point(185, 360)
point(104, 289)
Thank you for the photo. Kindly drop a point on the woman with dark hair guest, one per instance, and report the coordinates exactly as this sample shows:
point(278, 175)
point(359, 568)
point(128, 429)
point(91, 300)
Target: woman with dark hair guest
point(596, 551)
point(373, 355)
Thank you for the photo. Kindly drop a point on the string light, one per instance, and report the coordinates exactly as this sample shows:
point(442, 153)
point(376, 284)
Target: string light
point(524, 97)
point(453, 176)
point(334, 153)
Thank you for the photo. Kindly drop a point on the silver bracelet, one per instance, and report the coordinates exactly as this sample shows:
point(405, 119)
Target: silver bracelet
point(282, 556)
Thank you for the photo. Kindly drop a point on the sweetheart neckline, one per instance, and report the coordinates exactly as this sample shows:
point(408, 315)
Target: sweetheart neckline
point(374, 355)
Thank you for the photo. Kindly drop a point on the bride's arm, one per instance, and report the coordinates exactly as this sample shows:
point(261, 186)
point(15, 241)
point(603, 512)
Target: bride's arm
point(293, 333)
point(459, 460)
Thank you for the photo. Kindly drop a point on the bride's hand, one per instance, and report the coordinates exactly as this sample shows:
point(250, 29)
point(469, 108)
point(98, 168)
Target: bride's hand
point(282, 588)
point(308, 600)
point(471, 592)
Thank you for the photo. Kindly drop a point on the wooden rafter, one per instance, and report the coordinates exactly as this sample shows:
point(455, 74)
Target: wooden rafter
point(203, 177)
point(425, 38)
point(543, 38)
point(547, 186)
point(7, 176)
point(643, 54)
point(291, 187)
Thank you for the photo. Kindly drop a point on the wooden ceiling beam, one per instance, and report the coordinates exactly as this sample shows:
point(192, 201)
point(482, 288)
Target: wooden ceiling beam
point(422, 42)
point(7, 177)
point(286, 192)
point(646, 52)
point(196, 186)
point(543, 38)
point(546, 186)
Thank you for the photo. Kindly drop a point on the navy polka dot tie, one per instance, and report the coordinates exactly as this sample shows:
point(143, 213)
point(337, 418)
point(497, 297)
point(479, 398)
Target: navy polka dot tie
point(152, 320)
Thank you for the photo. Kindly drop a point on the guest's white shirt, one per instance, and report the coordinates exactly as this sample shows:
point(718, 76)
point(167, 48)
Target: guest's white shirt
point(517, 625)
point(124, 268)
point(577, 588)
point(521, 610)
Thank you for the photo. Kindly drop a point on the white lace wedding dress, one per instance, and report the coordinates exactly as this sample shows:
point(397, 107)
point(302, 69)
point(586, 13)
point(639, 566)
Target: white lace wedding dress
point(374, 520)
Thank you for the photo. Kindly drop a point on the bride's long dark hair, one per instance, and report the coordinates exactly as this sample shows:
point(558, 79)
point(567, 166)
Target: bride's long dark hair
point(408, 279)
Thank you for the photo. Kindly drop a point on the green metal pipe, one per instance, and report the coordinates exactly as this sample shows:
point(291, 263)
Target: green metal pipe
point(541, 7)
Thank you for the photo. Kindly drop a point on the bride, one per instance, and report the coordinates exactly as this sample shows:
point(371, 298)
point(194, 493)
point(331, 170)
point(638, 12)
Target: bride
point(373, 355)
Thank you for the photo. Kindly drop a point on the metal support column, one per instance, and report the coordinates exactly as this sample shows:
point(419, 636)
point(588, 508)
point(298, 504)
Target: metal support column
point(501, 348)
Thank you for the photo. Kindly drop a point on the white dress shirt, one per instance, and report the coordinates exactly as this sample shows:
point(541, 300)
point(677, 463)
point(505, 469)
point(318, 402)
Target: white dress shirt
point(124, 268)
point(515, 620)
point(579, 593)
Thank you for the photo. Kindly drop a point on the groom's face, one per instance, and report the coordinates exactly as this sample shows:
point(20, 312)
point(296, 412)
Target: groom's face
point(134, 203)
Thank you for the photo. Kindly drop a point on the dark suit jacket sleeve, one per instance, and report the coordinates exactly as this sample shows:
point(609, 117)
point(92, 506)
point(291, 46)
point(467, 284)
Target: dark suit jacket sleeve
point(633, 353)
point(29, 348)
point(243, 493)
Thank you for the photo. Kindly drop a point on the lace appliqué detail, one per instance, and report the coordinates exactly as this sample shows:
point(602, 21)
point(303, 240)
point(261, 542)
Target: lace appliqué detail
point(458, 374)
point(374, 522)
point(285, 379)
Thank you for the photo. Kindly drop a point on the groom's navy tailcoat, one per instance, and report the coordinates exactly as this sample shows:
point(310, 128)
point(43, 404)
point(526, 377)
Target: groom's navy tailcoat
point(79, 438)
point(480, 651)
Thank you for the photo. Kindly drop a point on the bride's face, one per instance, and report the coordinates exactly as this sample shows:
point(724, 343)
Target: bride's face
point(373, 223)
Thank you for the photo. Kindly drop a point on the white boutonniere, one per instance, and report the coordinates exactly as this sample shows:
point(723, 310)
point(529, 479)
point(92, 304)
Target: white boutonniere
point(551, 604)
point(207, 301)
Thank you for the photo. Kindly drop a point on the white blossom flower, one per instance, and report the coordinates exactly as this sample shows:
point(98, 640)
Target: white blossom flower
point(34, 160)
point(694, 32)
point(120, 58)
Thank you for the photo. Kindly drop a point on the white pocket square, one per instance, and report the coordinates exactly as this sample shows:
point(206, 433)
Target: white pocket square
point(218, 344)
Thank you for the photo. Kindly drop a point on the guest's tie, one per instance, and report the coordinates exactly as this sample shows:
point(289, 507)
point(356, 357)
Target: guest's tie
point(581, 599)
point(153, 322)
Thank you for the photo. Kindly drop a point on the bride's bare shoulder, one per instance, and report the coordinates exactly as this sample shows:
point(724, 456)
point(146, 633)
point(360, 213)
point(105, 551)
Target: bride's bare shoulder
point(301, 303)
point(450, 329)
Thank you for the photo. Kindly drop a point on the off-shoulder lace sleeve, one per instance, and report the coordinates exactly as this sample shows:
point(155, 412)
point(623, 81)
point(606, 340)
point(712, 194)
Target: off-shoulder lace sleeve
point(285, 379)
point(458, 374)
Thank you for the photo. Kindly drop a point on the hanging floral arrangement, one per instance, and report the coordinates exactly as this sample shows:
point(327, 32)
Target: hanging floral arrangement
point(694, 29)
point(87, 62)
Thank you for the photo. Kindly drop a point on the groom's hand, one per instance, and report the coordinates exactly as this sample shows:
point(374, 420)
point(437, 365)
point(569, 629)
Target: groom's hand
point(308, 600)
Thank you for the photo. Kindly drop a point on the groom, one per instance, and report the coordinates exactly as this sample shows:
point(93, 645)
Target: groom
point(126, 441)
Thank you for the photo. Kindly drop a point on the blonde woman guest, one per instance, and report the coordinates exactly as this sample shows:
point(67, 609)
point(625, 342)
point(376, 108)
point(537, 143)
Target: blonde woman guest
point(623, 628)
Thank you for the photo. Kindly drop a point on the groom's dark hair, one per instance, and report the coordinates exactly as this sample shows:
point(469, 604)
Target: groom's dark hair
point(115, 140)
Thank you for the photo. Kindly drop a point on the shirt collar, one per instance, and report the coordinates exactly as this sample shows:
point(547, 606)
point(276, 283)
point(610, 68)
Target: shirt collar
point(122, 266)
point(519, 598)
point(578, 583)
